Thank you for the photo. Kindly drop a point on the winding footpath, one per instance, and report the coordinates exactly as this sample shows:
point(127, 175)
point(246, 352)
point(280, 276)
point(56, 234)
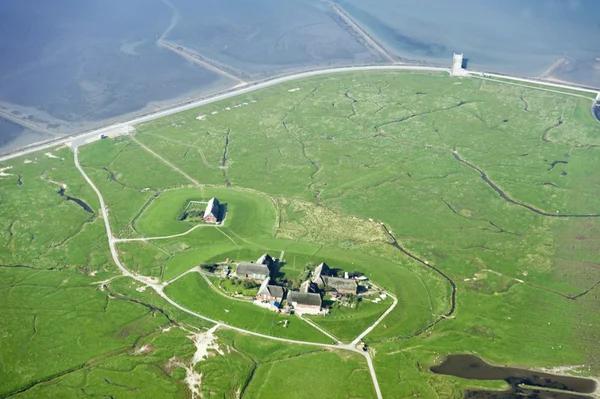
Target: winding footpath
point(159, 288)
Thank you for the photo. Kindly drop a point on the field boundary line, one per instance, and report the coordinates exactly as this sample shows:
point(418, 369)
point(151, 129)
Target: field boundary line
point(175, 168)
point(225, 234)
point(312, 323)
point(118, 240)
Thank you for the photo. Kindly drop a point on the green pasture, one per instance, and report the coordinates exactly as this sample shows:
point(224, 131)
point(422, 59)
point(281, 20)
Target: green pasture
point(193, 292)
point(336, 171)
point(42, 229)
point(55, 321)
point(336, 374)
point(347, 323)
point(127, 373)
point(257, 367)
point(248, 214)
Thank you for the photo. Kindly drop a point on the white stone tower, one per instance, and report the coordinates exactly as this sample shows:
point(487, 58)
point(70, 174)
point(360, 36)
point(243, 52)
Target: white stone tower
point(457, 61)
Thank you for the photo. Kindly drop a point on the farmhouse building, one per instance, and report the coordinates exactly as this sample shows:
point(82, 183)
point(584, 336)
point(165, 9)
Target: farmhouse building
point(266, 259)
point(341, 285)
point(252, 271)
point(305, 302)
point(308, 286)
point(212, 211)
point(322, 277)
point(271, 293)
point(321, 270)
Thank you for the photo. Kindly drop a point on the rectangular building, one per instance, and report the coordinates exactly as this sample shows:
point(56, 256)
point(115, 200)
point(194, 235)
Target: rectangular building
point(212, 211)
point(252, 271)
point(305, 302)
point(271, 293)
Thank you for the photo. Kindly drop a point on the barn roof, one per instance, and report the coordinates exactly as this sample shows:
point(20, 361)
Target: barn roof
point(266, 259)
point(321, 270)
point(308, 286)
point(304, 298)
point(272, 290)
point(212, 208)
point(252, 268)
point(340, 283)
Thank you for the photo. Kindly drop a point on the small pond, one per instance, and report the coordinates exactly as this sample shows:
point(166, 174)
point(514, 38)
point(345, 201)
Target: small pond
point(524, 383)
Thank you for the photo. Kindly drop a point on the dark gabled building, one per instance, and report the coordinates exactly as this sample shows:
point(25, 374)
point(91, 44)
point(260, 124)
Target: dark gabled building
point(212, 211)
point(321, 270)
point(322, 277)
point(269, 292)
point(305, 301)
point(266, 259)
point(341, 285)
point(252, 271)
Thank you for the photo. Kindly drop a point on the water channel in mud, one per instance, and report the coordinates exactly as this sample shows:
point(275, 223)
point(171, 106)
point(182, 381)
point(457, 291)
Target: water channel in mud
point(79, 202)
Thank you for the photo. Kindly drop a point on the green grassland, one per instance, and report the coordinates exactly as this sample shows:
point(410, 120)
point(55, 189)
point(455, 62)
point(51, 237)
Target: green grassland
point(256, 367)
point(354, 169)
point(336, 374)
point(248, 214)
point(346, 323)
point(54, 322)
point(259, 368)
point(39, 227)
point(194, 293)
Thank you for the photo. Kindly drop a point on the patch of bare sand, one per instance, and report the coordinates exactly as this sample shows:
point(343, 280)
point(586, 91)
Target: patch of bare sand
point(206, 346)
point(4, 174)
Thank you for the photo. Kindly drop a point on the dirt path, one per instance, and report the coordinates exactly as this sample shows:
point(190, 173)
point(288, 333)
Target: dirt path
point(230, 239)
point(163, 237)
point(315, 325)
point(200, 60)
point(175, 168)
point(200, 152)
point(358, 30)
point(368, 330)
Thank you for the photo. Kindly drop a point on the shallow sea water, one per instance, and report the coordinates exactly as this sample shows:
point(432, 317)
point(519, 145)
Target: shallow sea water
point(72, 65)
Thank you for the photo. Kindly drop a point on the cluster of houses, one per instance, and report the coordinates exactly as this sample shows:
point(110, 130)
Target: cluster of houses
point(308, 299)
